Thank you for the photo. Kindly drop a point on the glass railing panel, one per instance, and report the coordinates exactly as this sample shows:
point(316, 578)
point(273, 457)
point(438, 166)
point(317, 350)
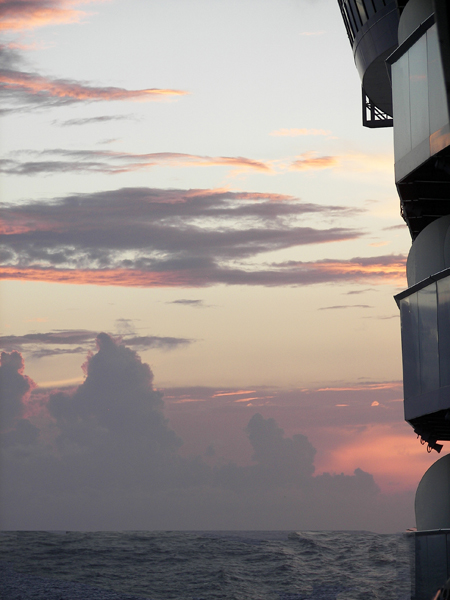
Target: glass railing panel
point(428, 338)
point(443, 290)
point(418, 77)
point(437, 97)
point(401, 104)
point(409, 313)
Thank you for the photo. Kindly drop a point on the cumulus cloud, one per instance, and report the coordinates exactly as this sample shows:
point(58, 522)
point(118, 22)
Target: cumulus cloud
point(15, 388)
point(105, 456)
point(96, 161)
point(42, 345)
point(22, 90)
point(152, 237)
point(280, 460)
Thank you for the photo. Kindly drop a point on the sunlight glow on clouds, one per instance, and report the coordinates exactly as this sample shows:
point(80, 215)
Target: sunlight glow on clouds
point(104, 430)
point(29, 14)
point(389, 269)
point(308, 160)
point(344, 163)
point(152, 237)
point(389, 452)
point(110, 162)
point(24, 91)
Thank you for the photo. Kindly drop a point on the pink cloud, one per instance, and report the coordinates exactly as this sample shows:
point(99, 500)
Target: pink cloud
point(29, 83)
point(29, 14)
point(304, 274)
point(308, 161)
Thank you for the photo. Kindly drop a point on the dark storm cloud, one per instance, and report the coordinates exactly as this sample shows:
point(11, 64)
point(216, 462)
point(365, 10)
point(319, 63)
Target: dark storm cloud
point(23, 90)
point(143, 236)
point(114, 462)
point(36, 343)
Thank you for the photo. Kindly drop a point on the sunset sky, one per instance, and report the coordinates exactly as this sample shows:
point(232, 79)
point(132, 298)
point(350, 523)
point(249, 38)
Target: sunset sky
point(192, 178)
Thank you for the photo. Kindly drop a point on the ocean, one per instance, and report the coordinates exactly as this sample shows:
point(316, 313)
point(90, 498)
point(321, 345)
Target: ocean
point(244, 565)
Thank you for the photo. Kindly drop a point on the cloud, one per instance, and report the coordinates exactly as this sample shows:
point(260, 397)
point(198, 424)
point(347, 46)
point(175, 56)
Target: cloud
point(17, 15)
point(346, 163)
point(68, 336)
point(281, 460)
point(94, 120)
point(109, 162)
point(402, 226)
point(107, 443)
point(15, 388)
point(340, 306)
point(37, 344)
point(58, 160)
point(297, 132)
point(188, 302)
point(383, 269)
point(308, 161)
point(354, 292)
point(150, 237)
point(152, 341)
point(383, 318)
point(21, 90)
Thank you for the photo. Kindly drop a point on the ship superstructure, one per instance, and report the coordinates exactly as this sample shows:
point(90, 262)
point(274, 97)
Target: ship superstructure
point(401, 49)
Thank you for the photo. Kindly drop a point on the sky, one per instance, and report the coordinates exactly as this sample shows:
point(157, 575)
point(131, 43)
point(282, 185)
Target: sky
point(201, 245)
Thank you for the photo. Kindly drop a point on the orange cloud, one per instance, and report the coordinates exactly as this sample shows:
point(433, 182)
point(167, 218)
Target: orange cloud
point(30, 14)
point(18, 82)
point(79, 161)
point(394, 270)
point(310, 273)
point(345, 163)
point(117, 277)
point(238, 393)
point(308, 161)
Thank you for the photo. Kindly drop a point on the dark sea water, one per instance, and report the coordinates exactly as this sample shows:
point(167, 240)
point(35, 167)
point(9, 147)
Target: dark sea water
point(204, 565)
